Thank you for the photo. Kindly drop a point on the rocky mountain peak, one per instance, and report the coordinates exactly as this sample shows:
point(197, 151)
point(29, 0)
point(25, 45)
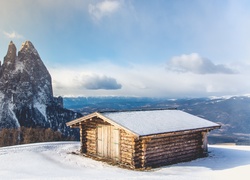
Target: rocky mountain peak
point(11, 53)
point(25, 76)
point(27, 47)
point(26, 95)
point(10, 58)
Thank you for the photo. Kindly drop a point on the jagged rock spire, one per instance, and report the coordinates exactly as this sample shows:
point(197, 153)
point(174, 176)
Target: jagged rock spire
point(10, 58)
point(27, 47)
point(11, 53)
point(25, 81)
point(26, 96)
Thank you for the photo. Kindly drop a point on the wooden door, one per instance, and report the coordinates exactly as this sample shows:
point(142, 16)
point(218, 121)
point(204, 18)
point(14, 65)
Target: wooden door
point(108, 142)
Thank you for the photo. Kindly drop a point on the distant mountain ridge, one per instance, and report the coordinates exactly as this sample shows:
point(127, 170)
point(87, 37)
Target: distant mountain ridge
point(26, 96)
point(233, 113)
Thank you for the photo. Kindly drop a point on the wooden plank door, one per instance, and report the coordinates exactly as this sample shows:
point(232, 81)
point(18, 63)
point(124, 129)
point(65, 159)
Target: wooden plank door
point(115, 143)
point(108, 142)
point(99, 141)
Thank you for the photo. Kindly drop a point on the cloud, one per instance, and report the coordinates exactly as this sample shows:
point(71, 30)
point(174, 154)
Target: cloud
point(104, 8)
point(196, 64)
point(13, 35)
point(144, 80)
point(95, 82)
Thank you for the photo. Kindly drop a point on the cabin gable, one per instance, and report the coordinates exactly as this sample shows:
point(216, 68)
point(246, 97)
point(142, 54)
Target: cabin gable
point(103, 140)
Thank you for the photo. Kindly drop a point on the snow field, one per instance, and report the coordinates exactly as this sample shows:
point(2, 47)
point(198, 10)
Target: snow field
point(56, 161)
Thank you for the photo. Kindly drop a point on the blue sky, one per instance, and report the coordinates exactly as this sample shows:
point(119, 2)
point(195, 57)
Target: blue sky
point(153, 48)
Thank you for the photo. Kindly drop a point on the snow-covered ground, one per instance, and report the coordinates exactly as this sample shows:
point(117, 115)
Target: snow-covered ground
point(55, 161)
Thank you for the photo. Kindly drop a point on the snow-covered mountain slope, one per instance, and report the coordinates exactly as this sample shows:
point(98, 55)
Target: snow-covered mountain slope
point(56, 161)
point(26, 96)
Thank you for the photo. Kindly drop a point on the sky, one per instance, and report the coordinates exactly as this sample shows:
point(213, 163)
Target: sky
point(140, 48)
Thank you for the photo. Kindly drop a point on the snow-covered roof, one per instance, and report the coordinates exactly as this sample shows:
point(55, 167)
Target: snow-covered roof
point(158, 121)
point(153, 122)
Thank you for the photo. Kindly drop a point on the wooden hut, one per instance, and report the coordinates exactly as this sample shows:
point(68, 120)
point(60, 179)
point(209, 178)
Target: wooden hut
point(142, 139)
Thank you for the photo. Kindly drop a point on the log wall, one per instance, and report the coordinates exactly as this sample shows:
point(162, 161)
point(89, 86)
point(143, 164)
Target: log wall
point(147, 151)
point(127, 148)
point(88, 135)
point(88, 138)
point(158, 150)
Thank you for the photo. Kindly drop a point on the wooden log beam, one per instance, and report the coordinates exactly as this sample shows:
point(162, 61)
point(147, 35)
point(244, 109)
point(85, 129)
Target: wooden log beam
point(171, 151)
point(153, 144)
point(177, 144)
point(174, 138)
point(173, 159)
point(177, 133)
point(175, 153)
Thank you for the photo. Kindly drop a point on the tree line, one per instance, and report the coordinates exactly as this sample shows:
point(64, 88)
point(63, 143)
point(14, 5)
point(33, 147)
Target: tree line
point(25, 135)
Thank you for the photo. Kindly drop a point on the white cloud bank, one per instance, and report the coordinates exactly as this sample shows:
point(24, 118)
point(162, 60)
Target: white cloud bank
point(105, 79)
point(196, 64)
point(12, 35)
point(104, 8)
point(82, 81)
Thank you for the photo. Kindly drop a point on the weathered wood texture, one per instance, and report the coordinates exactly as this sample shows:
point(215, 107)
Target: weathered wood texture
point(146, 151)
point(127, 148)
point(88, 135)
point(89, 142)
point(161, 150)
point(108, 142)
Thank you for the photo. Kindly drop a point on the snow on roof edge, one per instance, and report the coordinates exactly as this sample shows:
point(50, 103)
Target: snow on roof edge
point(158, 122)
point(120, 120)
point(111, 121)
